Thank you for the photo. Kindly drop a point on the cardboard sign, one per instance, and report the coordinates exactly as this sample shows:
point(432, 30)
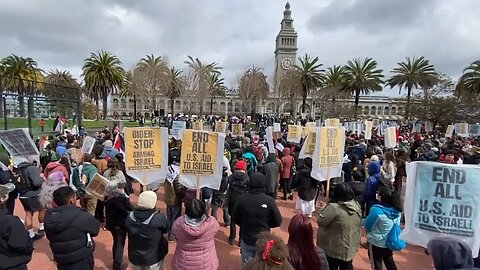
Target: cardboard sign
point(449, 132)
point(237, 130)
point(220, 127)
point(178, 126)
point(197, 125)
point(198, 153)
point(462, 129)
point(308, 146)
point(88, 144)
point(277, 127)
point(97, 186)
point(368, 130)
point(294, 133)
point(19, 145)
point(391, 137)
point(332, 122)
point(328, 155)
point(146, 154)
point(269, 138)
point(442, 200)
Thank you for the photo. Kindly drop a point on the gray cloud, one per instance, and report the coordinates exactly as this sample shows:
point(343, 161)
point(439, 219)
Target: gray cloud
point(237, 33)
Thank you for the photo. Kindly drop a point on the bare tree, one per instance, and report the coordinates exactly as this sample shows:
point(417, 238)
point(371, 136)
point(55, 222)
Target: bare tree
point(253, 88)
point(290, 89)
point(151, 76)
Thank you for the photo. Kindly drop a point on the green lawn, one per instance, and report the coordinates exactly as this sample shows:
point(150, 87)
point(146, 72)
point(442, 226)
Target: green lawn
point(89, 124)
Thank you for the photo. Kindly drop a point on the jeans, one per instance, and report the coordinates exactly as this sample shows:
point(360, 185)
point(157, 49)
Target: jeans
point(156, 266)
point(379, 256)
point(119, 235)
point(89, 203)
point(247, 252)
point(173, 212)
point(217, 202)
point(336, 264)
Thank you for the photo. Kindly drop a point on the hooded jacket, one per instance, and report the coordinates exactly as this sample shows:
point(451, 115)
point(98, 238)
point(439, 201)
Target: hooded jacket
point(195, 245)
point(305, 184)
point(237, 187)
point(339, 229)
point(54, 166)
point(379, 222)
point(32, 174)
point(449, 253)
point(287, 162)
point(16, 247)
point(66, 228)
point(116, 211)
point(371, 185)
point(272, 173)
point(255, 212)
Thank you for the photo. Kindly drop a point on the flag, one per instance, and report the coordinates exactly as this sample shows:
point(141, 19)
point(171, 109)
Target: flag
point(119, 143)
point(58, 124)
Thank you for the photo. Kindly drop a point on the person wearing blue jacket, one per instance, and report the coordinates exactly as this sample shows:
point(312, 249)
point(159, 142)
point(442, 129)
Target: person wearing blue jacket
point(371, 185)
point(378, 224)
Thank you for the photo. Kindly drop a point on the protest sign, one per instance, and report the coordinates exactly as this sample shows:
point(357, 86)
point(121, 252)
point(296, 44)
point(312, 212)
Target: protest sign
point(375, 122)
point(428, 126)
point(368, 130)
point(449, 132)
point(417, 128)
point(277, 127)
point(462, 129)
point(442, 200)
point(391, 137)
point(328, 155)
point(237, 130)
point(269, 138)
point(308, 146)
point(332, 122)
point(220, 127)
point(294, 133)
point(177, 126)
point(97, 186)
point(201, 159)
point(474, 130)
point(359, 128)
point(19, 145)
point(310, 127)
point(197, 125)
point(88, 144)
point(146, 152)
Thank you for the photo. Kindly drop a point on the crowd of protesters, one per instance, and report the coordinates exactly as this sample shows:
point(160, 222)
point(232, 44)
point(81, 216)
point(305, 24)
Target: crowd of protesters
point(367, 197)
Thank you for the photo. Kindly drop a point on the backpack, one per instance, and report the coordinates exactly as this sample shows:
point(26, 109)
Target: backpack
point(21, 182)
point(394, 243)
point(237, 189)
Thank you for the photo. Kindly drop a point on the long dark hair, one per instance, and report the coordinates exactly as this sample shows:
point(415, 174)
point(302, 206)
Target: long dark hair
point(302, 251)
point(391, 198)
point(113, 165)
point(342, 193)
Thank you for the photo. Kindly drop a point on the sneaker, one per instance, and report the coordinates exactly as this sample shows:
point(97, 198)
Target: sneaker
point(231, 241)
point(37, 237)
point(171, 238)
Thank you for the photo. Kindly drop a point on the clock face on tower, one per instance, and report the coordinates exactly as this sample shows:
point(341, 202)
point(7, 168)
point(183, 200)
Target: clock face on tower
point(286, 63)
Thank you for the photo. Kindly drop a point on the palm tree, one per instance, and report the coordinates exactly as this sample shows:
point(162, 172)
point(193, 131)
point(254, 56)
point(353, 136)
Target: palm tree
point(103, 74)
point(60, 84)
point(2, 80)
point(151, 75)
point(202, 75)
point(310, 76)
point(415, 73)
point(175, 86)
point(362, 77)
point(469, 84)
point(253, 87)
point(216, 88)
point(22, 76)
point(334, 84)
point(128, 90)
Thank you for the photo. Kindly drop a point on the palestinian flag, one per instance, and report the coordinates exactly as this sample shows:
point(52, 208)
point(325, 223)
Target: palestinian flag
point(58, 124)
point(119, 143)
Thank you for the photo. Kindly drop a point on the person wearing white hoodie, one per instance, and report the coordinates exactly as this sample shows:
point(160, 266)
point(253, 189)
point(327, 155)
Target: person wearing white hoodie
point(174, 191)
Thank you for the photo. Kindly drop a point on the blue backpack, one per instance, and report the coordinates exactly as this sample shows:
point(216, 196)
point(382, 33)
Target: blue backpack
point(394, 243)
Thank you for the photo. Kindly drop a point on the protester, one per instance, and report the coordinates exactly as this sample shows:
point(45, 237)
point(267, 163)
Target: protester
point(286, 174)
point(85, 175)
point(250, 160)
point(378, 224)
point(450, 253)
point(271, 170)
point(307, 189)
point(389, 168)
point(6, 176)
point(114, 174)
point(16, 247)
point(339, 227)
point(70, 230)
point(117, 207)
point(371, 185)
point(147, 247)
point(270, 254)
point(195, 233)
point(237, 187)
point(303, 254)
point(29, 184)
point(72, 151)
point(54, 181)
point(255, 212)
point(128, 178)
point(98, 160)
point(173, 195)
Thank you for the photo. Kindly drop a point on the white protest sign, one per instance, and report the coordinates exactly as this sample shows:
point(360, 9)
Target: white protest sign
point(368, 130)
point(146, 154)
point(428, 126)
point(474, 130)
point(449, 132)
point(308, 146)
point(332, 122)
point(359, 128)
point(19, 145)
point(197, 125)
point(269, 137)
point(220, 127)
point(201, 162)
point(237, 130)
point(294, 133)
point(178, 126)
point(417, 128)
point(88, 144)
point(442, 200)
point(277, 127)
point(328, 155)
point(462, 129)
point(391, 137)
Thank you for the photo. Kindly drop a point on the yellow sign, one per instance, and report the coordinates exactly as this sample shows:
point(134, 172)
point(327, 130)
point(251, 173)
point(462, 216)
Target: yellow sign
point(294, 133)
point(331, 147)
point(237, 130)
point(463, 129)
point(332, 122)
point(220, 126)
point(197, 125)
point(310, 127)
point(310, 143)
point(143, 149)
point(199, 150)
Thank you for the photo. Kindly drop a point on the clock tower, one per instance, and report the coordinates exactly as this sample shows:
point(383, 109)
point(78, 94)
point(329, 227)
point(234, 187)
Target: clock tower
point(285, 47)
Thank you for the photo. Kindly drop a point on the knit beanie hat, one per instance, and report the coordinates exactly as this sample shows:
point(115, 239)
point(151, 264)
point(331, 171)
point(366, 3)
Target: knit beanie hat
point(147, 199)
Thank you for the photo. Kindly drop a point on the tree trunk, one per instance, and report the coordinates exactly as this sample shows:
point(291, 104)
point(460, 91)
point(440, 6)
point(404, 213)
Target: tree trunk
point(211, 106)
point(172, 105)
point(304, 101)
point(105, 111)
point(97, 105)
point(407, 109)
point(357, 100)
point(135, 108)
point(1, 101)
point(21, 104)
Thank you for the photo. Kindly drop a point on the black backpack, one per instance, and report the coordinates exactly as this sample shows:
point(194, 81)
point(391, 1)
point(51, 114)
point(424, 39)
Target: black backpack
point(21, 182)
point(237, 189)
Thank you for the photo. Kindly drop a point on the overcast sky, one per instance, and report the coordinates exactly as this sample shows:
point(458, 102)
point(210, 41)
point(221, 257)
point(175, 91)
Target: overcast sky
point(60, 34)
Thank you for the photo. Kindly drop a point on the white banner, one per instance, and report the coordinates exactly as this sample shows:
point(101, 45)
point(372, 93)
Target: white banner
point(19, 145)
point(368, 130)
point(269, 137)
point(449, 132)
point(277, 127)
point(178, 126)
point(391, 137)
point(88, 144)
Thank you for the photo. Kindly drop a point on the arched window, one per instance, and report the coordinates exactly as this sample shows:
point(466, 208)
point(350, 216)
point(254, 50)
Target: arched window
point(386, 111)
point(366, 110)
point(230, 107)
point(123, 103)
point(222, 106)
point(394, 111)
point(379, 111)
point(115, 103)
point(373, 110)
point(237, 107)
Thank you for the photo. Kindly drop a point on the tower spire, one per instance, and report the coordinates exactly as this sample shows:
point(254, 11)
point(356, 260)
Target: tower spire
point(287, 14)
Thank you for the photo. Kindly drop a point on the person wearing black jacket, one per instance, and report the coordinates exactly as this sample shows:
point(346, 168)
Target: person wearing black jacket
point(255, 212)
point(6, 177)
point(307, 189)
point(70, 230)
point(16, 247)
point(147, 246)
point(117, 207)
point(237, 187)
